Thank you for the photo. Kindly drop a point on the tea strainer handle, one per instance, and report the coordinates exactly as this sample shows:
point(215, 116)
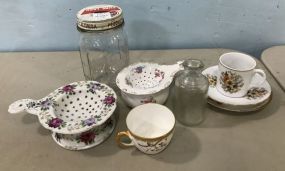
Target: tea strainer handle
point(27, 105)
point(172, 69)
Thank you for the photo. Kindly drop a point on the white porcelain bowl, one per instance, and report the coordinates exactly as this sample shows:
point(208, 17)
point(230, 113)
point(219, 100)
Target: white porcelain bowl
point(143, 83)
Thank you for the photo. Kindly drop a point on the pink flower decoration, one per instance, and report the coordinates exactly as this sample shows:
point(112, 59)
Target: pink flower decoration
point(68, 88)
point(109, 100)
point(55, 122)
point(87, 137)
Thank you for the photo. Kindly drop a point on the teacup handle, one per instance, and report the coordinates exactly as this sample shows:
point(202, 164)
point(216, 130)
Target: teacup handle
point(122, 144)
point(263, 75)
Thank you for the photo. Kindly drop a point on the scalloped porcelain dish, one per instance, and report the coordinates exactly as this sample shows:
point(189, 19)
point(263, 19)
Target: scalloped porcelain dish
point(75, 108)
point(142, 83)
point(255, 99)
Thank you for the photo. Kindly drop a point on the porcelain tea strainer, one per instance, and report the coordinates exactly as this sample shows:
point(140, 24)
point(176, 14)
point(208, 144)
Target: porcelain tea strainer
point(142, 83)
point(72, 109)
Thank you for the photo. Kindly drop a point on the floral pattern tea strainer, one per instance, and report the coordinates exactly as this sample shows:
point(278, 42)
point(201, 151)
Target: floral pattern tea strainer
point(146, 78)
point(71, 109)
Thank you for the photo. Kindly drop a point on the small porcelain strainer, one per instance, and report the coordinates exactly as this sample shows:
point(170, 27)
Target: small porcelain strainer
point(146, 78)
point(71, 109)
point(142, 83)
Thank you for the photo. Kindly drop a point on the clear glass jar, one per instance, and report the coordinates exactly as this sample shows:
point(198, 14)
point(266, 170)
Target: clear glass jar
point(103, 48)
point(190, 93)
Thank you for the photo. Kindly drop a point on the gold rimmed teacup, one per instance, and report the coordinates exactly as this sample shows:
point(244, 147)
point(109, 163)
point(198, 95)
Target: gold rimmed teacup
point(150, 128)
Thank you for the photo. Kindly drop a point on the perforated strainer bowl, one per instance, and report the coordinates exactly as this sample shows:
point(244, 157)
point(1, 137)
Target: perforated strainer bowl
point(142, 83)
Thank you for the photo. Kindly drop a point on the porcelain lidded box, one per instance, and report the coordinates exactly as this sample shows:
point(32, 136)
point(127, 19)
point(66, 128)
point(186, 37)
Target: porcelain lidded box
point(80, 114)
point(142, 83)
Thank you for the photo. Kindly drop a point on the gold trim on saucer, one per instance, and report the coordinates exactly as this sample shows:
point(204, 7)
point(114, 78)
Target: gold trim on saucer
point(258, 106)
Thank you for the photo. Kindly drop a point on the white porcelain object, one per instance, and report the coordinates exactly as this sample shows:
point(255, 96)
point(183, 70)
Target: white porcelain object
point(150, 128)
point(236, 71)
point(72, 110)
point(142, 83)
point(255, 98)
point(88, 139)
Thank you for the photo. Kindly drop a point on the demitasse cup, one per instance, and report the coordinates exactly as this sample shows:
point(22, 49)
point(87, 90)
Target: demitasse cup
point(236, 73)
point(150, 128)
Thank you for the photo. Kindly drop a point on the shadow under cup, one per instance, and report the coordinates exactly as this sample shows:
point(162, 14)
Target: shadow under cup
point(236, 72)
point(150, 128)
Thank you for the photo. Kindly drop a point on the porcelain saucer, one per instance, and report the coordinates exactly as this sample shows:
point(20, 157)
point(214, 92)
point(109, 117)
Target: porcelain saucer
point(86, 139)
point(255, 99)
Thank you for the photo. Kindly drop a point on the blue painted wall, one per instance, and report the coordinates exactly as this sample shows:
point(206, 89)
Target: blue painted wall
point(246, 25)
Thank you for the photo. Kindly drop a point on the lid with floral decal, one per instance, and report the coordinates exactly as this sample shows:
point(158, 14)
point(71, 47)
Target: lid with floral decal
point(99, 17)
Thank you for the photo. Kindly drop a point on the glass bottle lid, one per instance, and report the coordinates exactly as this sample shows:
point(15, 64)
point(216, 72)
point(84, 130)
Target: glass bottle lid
point(99, 17)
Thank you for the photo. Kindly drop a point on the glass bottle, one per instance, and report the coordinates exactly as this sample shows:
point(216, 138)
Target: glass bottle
point(190, 93)
point(103, 43)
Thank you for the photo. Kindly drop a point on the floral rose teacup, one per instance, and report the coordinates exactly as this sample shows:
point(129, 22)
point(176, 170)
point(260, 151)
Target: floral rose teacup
point(236, 74)
point(150, 128)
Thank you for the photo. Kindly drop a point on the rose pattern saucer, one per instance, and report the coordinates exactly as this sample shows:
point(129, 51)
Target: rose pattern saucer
point(86, 139)
point(256, 97)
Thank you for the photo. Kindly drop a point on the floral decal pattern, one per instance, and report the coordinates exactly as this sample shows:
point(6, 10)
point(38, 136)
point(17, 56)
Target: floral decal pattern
point(43, 105)
point(63, 118)
point(68, 89)
point(154, 146)
point(212, 80)
point(88, 122)
point(128, 82)
point(31, 104)
point(253, 93)
point(139, 69)
point(109, 100)
point(148, 100)
point(158, 73)
point(93, 87)
point(46, 104)
point(140, 76)
point(231, 82)
point(256, 92)
point(56, 123)
point(87, 137)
